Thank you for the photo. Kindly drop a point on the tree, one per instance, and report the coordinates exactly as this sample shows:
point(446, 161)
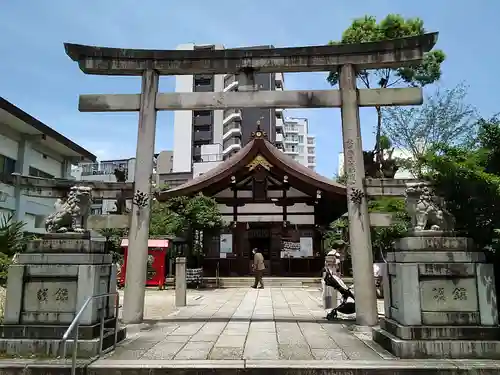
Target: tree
point(445, 118)
point(113, 238)
point(469, 182)
point(12, 241)
point(188, 217)
point(12, 238)
point(394, 26)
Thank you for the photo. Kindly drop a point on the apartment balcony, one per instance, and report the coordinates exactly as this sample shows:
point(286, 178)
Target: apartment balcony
point(96, 169)
point(210, 158)
point(202, 120)
point(291, 129)
point(202, 136)
point(279, 123)
point(279, 112)
point(232, 129)
point(231, 145)
point(279, 138)
point(278, 81)
point(232, 114)
point(293, 141)
point(230, 83)
point(289, 151)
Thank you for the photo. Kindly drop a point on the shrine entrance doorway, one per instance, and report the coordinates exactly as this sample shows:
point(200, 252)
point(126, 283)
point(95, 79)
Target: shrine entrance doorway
point(259, 236)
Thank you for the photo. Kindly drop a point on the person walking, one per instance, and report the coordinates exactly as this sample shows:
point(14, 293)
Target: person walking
point(258, 268)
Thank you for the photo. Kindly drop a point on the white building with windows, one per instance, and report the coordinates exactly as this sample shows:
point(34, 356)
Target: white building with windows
point(104, 171)
point(203, 139)
point(298, 143)
point(31, 148)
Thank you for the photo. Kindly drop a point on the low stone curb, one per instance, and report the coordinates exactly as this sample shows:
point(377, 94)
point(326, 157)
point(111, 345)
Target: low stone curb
point(252, 367)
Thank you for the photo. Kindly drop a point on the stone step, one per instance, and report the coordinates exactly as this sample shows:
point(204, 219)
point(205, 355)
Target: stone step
point(272, 282)
point(253, 367)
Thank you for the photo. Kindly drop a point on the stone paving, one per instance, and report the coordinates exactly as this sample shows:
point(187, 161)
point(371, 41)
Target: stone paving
point(267, 324)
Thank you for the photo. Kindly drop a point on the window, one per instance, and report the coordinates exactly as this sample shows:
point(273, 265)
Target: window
point(310, 141)
point(38, 173)
point(202, 113)
point(311, 159)
point(96, 211)
point(203, 82)
point(7, 167)
point(310, 150)
point(301, 138)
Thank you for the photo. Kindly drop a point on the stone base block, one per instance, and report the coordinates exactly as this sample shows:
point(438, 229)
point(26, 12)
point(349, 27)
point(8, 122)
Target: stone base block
point(440, 332)
point(438, 349)
point(87, 348)
point(51, 332)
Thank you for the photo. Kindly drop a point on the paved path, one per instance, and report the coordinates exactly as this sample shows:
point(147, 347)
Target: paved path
point(275, 323)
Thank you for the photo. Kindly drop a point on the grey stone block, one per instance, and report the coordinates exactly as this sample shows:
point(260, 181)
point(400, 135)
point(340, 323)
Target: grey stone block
point(54, 347)
point(65, 245)
point(65, 258)
point(435, 257)
point(439, 332)
point(419, 349)
point(434, 243)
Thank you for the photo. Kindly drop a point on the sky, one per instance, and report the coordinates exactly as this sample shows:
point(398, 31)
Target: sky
point(37, 76)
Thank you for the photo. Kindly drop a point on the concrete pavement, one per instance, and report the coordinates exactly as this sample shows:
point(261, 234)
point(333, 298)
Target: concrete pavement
point(236, 324)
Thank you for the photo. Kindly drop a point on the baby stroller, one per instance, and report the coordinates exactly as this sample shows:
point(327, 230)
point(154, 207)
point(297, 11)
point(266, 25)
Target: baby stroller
point(345, 307)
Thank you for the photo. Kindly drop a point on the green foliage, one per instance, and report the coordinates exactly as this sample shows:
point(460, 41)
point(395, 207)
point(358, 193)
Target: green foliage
point(366, 29)
point(187, 217)
point(12, 238)
point(383, 237)
point(469, 181)
point(444, 118)
point(341, 179)
point(387, 205)
point(179, 215)
point(5, 262)
point(337, 235)
point(113, 242)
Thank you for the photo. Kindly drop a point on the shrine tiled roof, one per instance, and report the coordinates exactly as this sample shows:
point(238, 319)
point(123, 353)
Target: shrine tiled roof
point(257, 146)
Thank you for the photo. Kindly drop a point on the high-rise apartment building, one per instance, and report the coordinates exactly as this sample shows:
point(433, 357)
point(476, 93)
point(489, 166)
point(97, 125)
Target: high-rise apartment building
point(298, 143)
point(202, 139)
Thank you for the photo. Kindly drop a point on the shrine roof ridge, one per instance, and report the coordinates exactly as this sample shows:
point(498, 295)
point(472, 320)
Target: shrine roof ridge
point(122, 61)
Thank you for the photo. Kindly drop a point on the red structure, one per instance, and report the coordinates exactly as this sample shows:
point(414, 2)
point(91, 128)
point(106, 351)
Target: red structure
point(157, 262)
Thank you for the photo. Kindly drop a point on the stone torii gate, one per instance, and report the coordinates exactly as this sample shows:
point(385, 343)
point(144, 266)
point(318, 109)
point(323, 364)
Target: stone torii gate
point(150, 64)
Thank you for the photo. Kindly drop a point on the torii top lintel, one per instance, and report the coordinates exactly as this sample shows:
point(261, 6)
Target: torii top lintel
point(118, 61)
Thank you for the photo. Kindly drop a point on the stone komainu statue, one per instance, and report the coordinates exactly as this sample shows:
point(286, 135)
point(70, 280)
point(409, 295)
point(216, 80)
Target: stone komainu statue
point(426, 210)
point(71, 214)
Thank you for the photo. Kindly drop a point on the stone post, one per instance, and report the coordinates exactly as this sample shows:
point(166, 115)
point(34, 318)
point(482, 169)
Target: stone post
point(22, 167)
point(133, 304)
point(180, 282)
point(359, 221)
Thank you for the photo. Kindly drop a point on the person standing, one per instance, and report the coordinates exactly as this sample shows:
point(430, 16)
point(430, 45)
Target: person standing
point(258, 267)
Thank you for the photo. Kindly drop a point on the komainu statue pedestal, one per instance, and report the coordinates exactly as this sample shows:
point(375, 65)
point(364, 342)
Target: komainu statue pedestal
point(440, 300)
point(47, 287)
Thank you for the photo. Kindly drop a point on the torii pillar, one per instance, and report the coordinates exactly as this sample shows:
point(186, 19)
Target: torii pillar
point(133, 302)
point(359, 220)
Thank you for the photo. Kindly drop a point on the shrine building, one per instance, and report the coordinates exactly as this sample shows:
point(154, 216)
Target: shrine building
point(268, 201)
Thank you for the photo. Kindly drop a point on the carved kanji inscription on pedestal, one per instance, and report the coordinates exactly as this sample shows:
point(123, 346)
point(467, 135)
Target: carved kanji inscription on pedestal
point(449, 295)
